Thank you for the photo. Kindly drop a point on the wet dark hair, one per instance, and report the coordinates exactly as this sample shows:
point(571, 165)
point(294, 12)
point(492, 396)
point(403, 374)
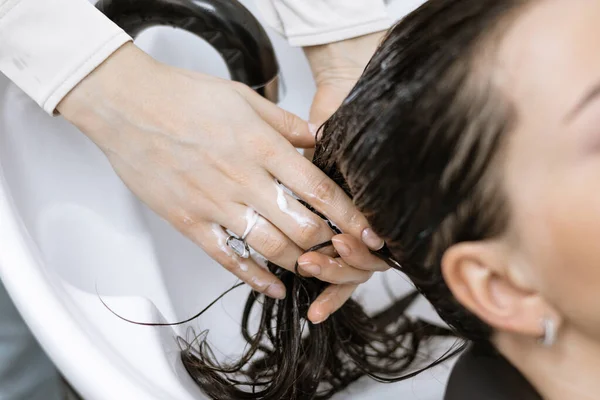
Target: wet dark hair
point(417, 145)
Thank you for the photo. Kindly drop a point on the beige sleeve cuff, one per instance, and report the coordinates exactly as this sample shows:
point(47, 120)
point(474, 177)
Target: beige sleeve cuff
point(49, 46)
point(314, 22)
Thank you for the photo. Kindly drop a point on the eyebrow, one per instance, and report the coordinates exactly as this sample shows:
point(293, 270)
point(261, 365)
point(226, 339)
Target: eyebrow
point(587, 99)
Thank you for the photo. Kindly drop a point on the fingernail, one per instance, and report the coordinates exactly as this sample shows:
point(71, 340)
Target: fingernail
point(370, 238)
point(320, 320)
point(277, 291)
point(341, 247)
point(312, 269)
point(304, 262)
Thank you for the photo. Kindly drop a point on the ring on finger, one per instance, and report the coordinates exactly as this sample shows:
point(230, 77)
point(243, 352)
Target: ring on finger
point(238, 244)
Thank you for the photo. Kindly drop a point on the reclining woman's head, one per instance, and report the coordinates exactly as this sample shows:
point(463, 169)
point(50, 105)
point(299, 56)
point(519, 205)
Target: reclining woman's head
point(472, 145)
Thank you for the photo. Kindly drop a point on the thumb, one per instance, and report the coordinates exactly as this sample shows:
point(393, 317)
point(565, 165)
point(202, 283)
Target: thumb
point(325, 103)
point(289, 125)
point(327, 100)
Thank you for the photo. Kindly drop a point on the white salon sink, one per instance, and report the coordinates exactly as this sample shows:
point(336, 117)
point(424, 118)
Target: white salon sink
point(69, 229)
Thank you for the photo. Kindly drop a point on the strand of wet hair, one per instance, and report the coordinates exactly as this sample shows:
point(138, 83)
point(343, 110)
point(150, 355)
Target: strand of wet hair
point(280, 363)
point(185, 321)
point(289, 358)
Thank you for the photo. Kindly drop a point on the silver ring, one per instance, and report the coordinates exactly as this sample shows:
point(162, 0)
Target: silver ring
point(238, 244)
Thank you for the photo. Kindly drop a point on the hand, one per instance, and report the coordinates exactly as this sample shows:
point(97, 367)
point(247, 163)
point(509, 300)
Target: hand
point(355, 265)
point(336, 67)
point(201, 151)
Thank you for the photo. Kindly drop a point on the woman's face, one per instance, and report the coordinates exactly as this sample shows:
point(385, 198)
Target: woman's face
point(549, 65)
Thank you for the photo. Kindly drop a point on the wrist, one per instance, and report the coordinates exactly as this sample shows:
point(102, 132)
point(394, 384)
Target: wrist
point(108, 89)
point(344, 59)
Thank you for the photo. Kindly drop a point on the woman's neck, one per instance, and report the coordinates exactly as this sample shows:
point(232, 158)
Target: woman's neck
point(568, 370)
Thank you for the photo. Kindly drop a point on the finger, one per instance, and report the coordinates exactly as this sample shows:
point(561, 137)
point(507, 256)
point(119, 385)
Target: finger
point(299, 224)
point(264, 238)
point(329, 301)
point(212, 238)
point(292, 127)
point(332, 270)
point(356, 254)
point(317, 189)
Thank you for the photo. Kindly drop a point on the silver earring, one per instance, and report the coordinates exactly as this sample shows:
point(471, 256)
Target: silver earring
point(549, 327)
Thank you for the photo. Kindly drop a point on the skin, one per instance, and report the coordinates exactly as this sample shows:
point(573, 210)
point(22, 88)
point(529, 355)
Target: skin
point(546, 264)
point(200, 150)
point(336, 67)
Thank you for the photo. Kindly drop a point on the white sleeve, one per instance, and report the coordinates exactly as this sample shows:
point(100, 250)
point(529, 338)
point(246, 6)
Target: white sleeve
point(313, 22)
point(48, 46)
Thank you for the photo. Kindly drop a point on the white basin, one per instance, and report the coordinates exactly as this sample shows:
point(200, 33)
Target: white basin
point(69, 227)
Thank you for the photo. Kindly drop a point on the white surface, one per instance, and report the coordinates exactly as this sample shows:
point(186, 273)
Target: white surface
point(67, 225)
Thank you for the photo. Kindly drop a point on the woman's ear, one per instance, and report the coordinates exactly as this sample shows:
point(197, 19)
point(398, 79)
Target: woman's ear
point(479, 276)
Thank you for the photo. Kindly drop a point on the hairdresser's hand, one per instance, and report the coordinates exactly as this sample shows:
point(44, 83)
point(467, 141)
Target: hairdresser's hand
point(336, 68)
point(201, 151)
point(353, 256)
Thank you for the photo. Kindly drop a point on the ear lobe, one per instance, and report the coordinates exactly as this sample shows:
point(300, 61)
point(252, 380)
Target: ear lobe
point(477, 275)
